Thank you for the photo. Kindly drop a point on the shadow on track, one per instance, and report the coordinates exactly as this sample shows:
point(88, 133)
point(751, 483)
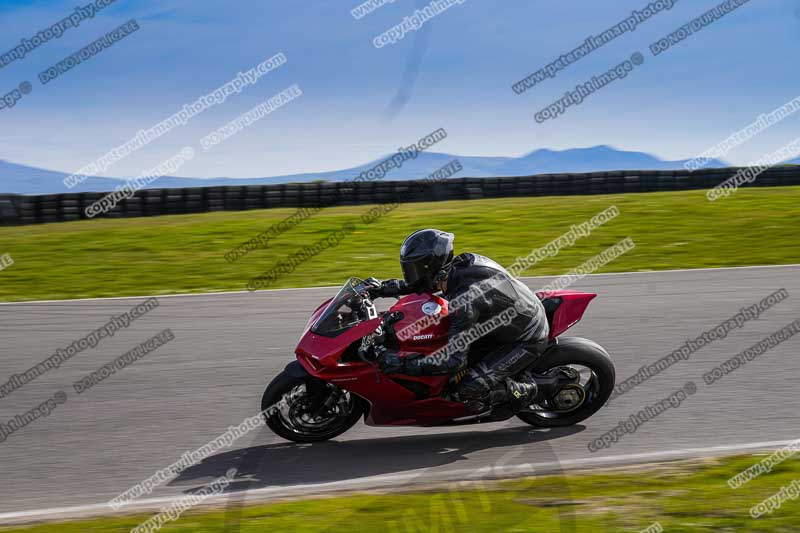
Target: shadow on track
point(289, 464)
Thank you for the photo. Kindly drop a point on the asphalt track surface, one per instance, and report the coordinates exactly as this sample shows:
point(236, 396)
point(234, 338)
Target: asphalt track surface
point(228, 346)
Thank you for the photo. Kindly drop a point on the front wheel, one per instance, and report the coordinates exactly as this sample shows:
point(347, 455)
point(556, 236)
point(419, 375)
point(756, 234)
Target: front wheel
point(300, 411)
point(590, 389)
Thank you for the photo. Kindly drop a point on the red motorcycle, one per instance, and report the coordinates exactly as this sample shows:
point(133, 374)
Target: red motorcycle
point(335, 380)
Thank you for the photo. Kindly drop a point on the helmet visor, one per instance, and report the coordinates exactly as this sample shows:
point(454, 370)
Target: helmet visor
point(416, 273)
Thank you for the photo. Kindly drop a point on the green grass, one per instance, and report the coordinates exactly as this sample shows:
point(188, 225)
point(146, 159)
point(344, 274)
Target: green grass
point(174, 254)
point(682, 497)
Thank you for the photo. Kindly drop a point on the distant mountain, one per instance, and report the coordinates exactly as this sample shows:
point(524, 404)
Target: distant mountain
point(593, 159)
point(23, 179)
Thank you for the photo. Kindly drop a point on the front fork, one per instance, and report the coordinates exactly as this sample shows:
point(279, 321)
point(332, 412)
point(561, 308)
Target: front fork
point(321, 396)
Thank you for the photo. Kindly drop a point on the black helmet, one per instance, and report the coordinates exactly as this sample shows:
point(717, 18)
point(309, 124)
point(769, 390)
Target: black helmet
point(425, 258)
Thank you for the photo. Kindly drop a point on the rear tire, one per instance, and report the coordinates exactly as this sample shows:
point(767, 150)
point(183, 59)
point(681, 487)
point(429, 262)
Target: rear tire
point(283, 385)
point(575, 351)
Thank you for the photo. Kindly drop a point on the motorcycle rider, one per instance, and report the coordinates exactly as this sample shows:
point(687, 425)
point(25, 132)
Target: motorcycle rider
point(482, 289)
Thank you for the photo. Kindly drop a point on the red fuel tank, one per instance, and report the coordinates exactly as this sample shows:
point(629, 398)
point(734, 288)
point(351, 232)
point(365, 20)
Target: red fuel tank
point(425, 322)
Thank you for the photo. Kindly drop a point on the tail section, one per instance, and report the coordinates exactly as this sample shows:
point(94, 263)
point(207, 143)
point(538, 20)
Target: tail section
point(564, 308)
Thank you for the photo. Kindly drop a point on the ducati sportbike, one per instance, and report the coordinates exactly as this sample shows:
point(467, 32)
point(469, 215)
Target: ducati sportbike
point(336, 379)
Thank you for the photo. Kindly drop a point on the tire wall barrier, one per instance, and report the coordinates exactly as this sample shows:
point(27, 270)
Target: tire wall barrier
point(21, 209)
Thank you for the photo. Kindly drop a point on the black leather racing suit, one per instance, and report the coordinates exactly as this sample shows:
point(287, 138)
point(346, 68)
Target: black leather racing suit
point(501, 325)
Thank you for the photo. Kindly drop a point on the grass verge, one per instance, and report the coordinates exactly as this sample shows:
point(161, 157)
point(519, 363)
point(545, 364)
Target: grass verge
point(185, 253)
point(682, 497)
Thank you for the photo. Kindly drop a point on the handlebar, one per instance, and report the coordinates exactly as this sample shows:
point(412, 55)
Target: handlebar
point(362, 305)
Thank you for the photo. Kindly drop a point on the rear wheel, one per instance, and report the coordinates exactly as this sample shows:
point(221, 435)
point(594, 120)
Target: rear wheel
point(308, 412)
point(593, 381)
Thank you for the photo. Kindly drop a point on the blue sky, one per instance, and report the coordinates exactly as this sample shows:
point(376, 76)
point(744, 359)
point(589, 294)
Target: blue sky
point(454, 73)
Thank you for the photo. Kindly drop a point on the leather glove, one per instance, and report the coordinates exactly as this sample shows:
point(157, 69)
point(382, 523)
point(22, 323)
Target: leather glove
point(389, 361)
point(373, 287)
point(393, 287)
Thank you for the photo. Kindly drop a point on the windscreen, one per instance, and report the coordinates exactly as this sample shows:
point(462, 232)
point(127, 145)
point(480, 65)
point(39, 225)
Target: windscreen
point(338, 316)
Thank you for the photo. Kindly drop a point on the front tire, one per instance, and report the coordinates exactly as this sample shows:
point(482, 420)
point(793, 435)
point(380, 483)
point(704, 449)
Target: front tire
point(285, 409)
point(597, 390)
